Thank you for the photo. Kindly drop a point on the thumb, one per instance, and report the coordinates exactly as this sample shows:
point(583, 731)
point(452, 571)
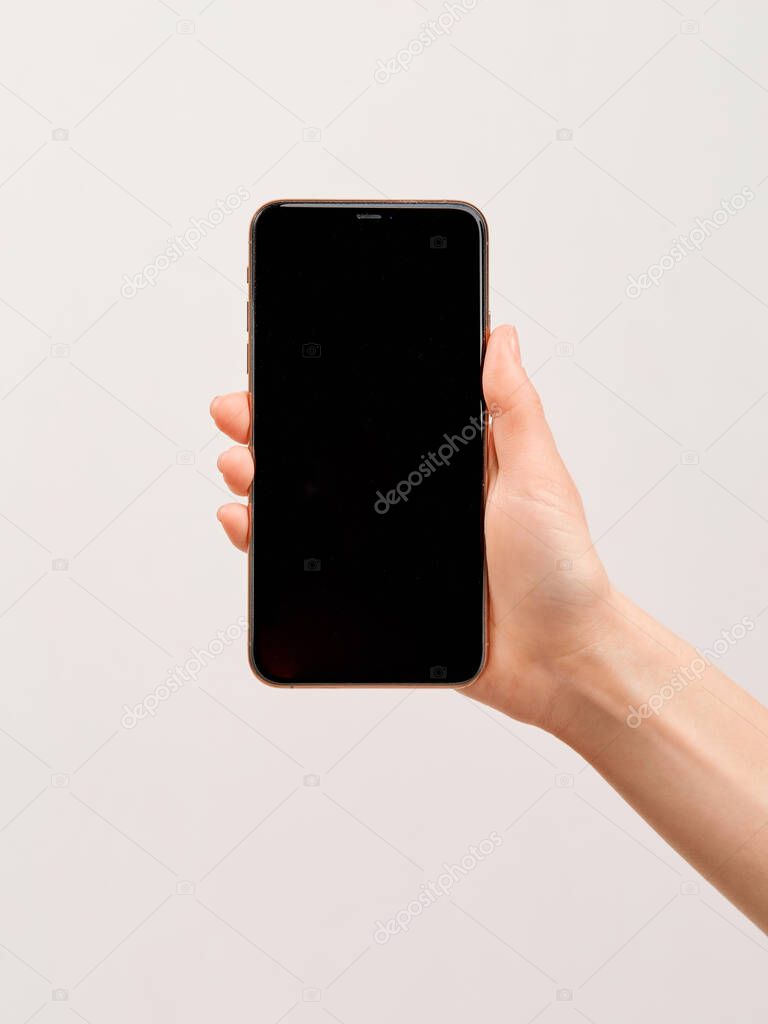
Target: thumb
point(520, 428)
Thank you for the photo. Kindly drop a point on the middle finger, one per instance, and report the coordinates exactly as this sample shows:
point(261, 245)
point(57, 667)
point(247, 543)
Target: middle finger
point(236, 466)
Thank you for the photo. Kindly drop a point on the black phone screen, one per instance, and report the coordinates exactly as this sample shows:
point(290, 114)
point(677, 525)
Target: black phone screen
point(367, 329)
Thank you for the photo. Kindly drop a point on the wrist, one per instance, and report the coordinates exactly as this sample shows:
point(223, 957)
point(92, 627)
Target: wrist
point(599, 688)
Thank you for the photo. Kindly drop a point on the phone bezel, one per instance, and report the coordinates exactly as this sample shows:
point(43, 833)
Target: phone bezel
point(366, 205)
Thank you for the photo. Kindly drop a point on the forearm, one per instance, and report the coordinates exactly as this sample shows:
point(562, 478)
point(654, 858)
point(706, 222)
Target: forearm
point(692, 758)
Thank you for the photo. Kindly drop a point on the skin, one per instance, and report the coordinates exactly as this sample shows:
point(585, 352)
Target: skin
point(571, 655)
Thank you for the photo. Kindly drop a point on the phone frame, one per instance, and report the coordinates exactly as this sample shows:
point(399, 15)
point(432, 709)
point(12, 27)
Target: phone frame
point(365, 205)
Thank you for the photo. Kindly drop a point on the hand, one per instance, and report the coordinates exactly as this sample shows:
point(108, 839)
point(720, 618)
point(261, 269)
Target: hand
point(550, 599)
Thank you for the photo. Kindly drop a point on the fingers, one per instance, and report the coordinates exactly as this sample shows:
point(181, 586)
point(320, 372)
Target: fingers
point(519, 426)
point(232, 415)
point(236, 466)
point(235, 520)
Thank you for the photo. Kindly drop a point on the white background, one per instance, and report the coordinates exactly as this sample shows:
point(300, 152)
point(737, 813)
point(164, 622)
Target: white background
point(108, 463)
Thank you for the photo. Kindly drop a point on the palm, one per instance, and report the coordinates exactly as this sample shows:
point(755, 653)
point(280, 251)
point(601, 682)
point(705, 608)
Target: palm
point(546, 585)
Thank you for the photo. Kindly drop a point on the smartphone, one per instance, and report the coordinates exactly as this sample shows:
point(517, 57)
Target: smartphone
point(367, 325)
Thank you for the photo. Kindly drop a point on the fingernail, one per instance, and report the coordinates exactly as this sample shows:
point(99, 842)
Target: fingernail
point(218, 513)
point(514, 342)
point(218, 462)
point(212, 406)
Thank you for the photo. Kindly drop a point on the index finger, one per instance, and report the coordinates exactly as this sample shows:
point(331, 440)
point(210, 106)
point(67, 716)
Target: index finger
point(232, 415)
